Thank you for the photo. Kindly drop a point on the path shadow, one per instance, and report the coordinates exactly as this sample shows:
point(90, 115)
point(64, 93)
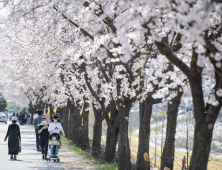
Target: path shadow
point(15, 160)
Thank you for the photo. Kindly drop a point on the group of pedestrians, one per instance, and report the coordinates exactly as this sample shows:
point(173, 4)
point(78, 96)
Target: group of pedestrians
point(43, 129)
point(23, 118)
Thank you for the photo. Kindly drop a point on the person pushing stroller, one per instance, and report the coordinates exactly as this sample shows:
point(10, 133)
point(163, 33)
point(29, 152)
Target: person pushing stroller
point(54, 130)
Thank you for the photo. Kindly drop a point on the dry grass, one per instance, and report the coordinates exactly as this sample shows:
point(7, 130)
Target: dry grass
point(214, 163)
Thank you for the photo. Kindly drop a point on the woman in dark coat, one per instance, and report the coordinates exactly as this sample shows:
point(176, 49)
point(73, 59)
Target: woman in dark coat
point(14, 138)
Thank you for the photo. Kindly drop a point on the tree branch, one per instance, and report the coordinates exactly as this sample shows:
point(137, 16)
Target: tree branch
point(73, 23)
point(165, 50)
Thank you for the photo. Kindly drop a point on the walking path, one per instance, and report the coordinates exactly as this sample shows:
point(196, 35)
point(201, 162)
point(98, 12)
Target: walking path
point(30, 159)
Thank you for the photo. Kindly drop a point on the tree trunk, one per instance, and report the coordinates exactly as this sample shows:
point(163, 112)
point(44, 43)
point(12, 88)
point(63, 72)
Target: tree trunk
point(111, 134)
point(167, 158)
point(123, 140)
point(31, 111)
point(204, 125)
point(75, 117)
point(65, 120)
point(78, 127)
point(202, 142)
point(41, 106)
point(97, 132)
point(51, 111)
point(85, 128)
point(111, 142)
point(145, 113)
point(68, 119)
point(72, 114)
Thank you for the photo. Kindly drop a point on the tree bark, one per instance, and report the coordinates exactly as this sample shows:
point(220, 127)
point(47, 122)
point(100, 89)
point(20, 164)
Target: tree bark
point(77, 126)
point(69, 130)
point(123, 140)
point(72, 114)
point(65, 120)
point(145, 113)
point(204, 125)
point(51, 111)
point(75, 123)
point(85, 129)
point(31, 111)
point(97, 132)
point(111, 134)
point(167, 159)
point(202, 143)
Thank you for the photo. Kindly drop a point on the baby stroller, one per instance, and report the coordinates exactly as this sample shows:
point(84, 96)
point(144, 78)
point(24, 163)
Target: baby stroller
point(54, 147)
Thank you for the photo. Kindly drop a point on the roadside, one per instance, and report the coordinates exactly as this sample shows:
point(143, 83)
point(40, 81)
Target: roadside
point(85, 159)
point(72, 160)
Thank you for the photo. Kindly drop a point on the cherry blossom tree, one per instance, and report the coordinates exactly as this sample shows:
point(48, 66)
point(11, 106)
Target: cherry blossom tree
point(113, 54)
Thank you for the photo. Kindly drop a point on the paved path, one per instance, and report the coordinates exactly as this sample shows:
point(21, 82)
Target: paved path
point(30, 159)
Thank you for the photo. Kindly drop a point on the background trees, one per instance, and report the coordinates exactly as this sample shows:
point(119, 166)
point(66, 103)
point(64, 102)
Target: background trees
point(3, 103)
point(113, 54)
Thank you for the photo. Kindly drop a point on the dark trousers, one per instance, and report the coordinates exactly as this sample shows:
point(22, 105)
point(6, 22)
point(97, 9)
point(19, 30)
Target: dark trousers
point(37, 138)
point(24, 122)
point(44, 145)
point(184, 167)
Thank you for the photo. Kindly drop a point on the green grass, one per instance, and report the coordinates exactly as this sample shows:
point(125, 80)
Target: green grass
point(99, 164)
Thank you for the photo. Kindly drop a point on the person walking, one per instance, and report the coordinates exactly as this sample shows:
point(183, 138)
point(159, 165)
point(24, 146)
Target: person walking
point(14, 138)
point(23, 119)
point(184, 163)
point(60, 121)
point(28, 119)
point(36, 122)
point(47, 116)
point(44, 137)
point(56, 127)
point(35, 115)
point(19, 118)
point(13, 114)
point(17, 114)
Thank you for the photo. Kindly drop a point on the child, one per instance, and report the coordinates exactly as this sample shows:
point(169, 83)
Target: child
point(54, 143)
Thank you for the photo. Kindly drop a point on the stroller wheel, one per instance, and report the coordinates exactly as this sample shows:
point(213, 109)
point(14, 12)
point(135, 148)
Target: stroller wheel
point(58, 160)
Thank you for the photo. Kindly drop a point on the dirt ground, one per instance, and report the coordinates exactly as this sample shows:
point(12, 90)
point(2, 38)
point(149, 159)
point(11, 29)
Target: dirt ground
point(72, 160)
